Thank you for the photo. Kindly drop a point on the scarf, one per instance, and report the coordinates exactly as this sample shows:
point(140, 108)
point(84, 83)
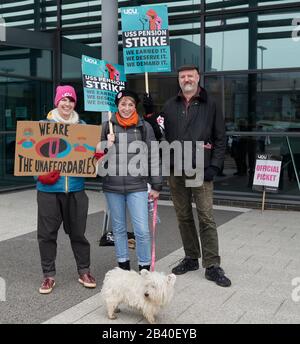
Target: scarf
point(128, 122)
point(55, 116)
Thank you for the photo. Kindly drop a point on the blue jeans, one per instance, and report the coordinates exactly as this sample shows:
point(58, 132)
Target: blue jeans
point(137, 203)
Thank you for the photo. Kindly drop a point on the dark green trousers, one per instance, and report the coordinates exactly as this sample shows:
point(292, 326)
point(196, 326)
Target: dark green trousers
point(203, 198)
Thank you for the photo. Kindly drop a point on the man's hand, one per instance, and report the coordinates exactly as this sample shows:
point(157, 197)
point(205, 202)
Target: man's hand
point(49, 178)
point(148, 103)
point(210, 172)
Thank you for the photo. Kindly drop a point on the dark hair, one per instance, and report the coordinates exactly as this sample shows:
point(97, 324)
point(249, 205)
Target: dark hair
point(188, 67)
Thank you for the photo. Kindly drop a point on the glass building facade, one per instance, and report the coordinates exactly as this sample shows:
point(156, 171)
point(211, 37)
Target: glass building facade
point(247, 51)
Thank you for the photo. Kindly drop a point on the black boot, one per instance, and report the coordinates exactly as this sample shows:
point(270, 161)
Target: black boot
point(125, 265)
point(146, 267)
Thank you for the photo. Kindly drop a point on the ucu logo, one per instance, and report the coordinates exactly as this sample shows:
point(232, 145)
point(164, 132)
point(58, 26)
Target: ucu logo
point(67, 94)
point(130, 11)
point(90, 60)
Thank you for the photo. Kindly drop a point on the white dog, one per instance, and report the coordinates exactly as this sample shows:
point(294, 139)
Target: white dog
point(147, 291)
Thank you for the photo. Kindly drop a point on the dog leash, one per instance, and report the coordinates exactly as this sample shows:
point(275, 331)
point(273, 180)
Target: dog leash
point(154, 220)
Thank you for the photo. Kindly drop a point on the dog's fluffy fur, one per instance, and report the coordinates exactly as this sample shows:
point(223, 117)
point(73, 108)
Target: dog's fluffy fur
point(147, 291)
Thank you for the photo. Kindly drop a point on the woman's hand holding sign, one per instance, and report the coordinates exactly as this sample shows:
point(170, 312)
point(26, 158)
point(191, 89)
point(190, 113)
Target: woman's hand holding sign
point(49, 178)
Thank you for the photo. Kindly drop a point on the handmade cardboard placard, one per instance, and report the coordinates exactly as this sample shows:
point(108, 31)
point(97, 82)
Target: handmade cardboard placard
point(42, 147)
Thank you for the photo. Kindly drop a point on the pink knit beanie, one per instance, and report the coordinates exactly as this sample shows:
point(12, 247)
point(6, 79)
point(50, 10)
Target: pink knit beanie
point(64, 91)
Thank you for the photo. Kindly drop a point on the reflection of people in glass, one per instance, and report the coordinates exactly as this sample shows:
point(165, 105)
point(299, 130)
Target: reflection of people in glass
point(10, 155)
point(261, 141)
point(239, 149)
point(287, 162)
point(243, 149)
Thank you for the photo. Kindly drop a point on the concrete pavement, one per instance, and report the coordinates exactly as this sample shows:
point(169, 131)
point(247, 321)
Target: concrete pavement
point(260, 253)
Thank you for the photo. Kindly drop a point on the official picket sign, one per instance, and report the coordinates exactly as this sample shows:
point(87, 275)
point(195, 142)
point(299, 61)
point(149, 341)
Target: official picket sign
point(42, 147)
point(101, 82)
point(146, 44)
point(267, 173)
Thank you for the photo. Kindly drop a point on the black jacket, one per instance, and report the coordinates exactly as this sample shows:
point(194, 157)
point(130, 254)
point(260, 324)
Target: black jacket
point(200, 121)
point(124, 184)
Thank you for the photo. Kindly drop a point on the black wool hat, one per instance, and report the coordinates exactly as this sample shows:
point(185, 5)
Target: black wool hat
point(127, 93)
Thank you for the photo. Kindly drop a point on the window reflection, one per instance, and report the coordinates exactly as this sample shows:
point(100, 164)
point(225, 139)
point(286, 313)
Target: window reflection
point(20, 100)
point(23, 100)
point(275, 37)
point(227, 40)
point(71, 67)
point(270, 103)
point(276, 2)
point(185, 50)
point(253, 42)
point(251, 120)
point(237, 174)
point(25, 62)
point(225, 4)
point(233, 4)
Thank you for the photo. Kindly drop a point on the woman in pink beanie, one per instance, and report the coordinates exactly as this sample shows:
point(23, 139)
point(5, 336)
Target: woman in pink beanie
point(65, 102)
point(62, 199)
point(65, 91)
